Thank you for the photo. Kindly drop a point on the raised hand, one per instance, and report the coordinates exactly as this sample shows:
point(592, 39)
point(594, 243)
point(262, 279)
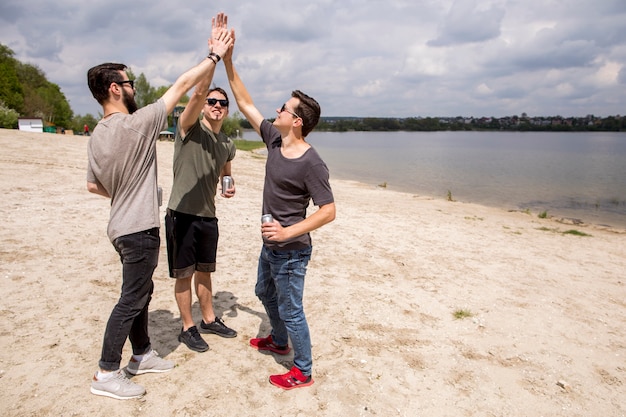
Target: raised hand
point(229, 54)
point(218, 24)
point(221, 39)
point(219, 33)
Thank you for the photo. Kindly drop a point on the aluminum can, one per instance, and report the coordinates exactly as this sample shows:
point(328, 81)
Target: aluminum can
point(267, 218)
point(227, 183)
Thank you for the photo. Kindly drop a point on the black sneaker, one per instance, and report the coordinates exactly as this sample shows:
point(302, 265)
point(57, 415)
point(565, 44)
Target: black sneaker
point(217, 327)
point(193, 340)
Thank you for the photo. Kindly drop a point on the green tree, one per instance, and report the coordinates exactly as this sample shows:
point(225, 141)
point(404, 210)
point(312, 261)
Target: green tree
point(42, 98)
point(8, 117)
point(232, 125)
point(79, 122)
point(11, 92)
point(144, 92)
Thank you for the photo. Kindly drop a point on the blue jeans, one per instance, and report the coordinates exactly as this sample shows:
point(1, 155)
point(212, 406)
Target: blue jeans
point(280, 287)
point(139, 253)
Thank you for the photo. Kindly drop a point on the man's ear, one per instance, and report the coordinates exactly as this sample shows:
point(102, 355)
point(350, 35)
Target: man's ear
point(115, 89)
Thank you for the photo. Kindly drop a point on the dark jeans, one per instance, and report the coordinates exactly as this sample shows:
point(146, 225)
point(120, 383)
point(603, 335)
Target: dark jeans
point(139, 253)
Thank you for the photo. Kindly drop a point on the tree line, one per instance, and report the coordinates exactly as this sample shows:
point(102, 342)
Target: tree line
point(512, 123)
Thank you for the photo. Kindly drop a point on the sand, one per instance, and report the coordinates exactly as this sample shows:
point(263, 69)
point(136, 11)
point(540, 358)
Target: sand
point(417, 306)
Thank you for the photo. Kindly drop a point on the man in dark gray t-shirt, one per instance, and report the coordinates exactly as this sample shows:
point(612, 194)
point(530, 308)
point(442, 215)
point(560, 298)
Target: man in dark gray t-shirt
point(294, 175)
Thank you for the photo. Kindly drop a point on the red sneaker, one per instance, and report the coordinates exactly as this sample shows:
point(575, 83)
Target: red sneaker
point(266, 343)
point(292, 379)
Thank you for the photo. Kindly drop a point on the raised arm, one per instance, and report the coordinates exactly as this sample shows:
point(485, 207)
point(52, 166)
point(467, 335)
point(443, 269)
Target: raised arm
point(244, 101)
point(196, 102)
point(203, 70)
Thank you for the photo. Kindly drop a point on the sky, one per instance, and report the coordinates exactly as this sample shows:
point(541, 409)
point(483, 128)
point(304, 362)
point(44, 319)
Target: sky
point(363, 58)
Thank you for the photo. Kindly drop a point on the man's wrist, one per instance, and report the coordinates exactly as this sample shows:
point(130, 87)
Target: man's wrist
point(214, 57)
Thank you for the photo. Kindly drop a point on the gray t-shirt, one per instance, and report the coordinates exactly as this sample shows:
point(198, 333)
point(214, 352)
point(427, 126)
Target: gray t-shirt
point(122, 158)
point(290, 184)
point(198, 161)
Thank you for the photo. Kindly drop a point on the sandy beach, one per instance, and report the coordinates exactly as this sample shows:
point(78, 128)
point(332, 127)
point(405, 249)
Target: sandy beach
point(417, 306)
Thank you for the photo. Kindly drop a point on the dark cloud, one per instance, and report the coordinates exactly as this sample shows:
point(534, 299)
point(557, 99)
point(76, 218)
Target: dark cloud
point(467, 23)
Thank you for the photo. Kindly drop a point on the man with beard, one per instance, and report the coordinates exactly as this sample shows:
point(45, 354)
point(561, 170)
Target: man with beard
point(122, 166)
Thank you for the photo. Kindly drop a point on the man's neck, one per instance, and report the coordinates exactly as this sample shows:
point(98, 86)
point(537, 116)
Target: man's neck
point(110, 108)
point(214, 125)
point(293, 146)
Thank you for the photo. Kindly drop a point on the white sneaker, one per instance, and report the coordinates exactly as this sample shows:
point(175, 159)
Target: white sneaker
point(117, 386)
point(151, 362)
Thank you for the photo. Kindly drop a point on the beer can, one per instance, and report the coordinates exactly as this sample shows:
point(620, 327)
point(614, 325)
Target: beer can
point(227, 183)
point(267, 218)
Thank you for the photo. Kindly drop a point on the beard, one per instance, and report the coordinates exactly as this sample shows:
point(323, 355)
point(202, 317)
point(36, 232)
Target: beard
point(129, 102)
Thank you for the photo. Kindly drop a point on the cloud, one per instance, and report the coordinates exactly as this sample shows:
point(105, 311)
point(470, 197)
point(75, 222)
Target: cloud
point(388, 58)
point(469, 21)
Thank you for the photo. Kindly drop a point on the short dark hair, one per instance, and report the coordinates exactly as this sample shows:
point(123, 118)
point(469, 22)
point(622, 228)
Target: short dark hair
point(100, 77)
point(308, 110)
point(219, 90)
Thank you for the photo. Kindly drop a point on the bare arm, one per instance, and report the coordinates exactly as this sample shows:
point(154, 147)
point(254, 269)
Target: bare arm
point(97, 188)
point(274, 231)
point(244, 101)
point(226, 170)
point(203, 70)
point(196, 102)
point(193, 109)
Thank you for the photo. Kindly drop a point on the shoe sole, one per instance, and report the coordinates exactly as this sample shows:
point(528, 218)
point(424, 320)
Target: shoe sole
point(208, 331)
point(278, 352)
point(192, 348)
point(111, 395)
point(148, 371)
point(301, 385)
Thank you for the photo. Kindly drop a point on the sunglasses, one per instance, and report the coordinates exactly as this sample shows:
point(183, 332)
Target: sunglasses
point(129, 82)
point(214, 101)
point(284, 108)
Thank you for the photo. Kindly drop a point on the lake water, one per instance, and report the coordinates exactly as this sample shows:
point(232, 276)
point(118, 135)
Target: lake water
point(576, 175)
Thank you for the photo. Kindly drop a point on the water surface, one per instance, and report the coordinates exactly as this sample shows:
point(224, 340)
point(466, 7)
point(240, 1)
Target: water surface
point(579, 175)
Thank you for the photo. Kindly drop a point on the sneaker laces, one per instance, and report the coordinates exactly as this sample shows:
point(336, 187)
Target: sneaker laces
point(148, 355)
point(122, 379)
point(193, 331)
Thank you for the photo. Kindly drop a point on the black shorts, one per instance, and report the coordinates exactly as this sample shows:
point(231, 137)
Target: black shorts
point(191, 243)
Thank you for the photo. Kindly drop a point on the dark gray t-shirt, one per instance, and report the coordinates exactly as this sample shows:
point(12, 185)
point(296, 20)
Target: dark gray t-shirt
point(290, 184)
point(122, 158)
point(198, 161)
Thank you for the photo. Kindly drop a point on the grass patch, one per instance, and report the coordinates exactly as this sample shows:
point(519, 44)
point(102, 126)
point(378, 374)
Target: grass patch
point(576, 233)
point(248, 145)
point(567, 232)
point(462, 314)
point(449, 198)
point(543, 215)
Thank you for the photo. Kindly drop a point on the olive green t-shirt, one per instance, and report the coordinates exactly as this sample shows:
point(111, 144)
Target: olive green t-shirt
point(198, 161)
